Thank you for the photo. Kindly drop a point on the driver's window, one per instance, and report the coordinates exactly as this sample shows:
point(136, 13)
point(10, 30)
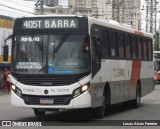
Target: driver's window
point(96, 44)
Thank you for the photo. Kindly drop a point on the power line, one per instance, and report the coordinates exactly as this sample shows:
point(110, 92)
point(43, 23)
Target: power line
point(16, 2)
point(11, 14)
point(13, 10)
point(10, 11)
point(16, 9)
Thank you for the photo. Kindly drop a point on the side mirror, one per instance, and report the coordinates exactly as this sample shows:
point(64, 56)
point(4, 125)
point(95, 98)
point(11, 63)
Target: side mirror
point(98, 39)
point(93, 38)
point(5, 53)
point(6, 48)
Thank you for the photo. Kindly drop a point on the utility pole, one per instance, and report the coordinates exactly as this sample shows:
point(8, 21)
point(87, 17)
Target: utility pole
point(151, 16)
point(41, 7)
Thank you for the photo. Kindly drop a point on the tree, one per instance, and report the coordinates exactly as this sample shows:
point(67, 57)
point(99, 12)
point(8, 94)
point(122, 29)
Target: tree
point(156, 43)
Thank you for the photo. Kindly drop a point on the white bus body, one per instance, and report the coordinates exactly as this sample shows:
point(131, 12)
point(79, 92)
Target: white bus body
point(119, 78)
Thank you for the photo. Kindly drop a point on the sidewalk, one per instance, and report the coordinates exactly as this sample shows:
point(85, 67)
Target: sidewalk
point(3, 93)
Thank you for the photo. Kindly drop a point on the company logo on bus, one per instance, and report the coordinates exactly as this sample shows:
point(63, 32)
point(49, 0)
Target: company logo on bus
point(46, 91)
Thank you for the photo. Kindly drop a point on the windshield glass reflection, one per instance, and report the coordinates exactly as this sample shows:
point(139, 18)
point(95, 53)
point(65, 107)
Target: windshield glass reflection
point(51, 54)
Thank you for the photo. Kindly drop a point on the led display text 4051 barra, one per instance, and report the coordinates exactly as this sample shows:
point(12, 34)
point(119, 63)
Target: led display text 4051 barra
point(49, 23)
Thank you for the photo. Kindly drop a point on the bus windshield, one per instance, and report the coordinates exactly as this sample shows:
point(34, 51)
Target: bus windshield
point(51, 54)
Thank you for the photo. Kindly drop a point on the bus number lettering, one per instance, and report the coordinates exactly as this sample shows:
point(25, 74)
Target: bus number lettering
point(30, 39)
point(118, 72)
point(32, 24)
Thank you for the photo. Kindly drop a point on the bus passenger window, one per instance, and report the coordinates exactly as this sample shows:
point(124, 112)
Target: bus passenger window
point(150, 49)
point(147, 49)
point(121, 45)
point(105, 47)
point(113, 44)
point(134, 47)
point(127, 46)
point(144, 49)
point(96, 49)
point(139, 48)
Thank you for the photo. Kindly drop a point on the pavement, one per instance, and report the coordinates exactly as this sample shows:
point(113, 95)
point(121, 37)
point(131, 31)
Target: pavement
point(3, 93)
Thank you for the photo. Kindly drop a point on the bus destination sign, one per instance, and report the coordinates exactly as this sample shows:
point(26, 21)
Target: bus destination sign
point(53, 23)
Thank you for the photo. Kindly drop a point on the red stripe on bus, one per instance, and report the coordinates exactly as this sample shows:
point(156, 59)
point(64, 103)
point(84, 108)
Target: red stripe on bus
point(138, 33)
point(135, 75)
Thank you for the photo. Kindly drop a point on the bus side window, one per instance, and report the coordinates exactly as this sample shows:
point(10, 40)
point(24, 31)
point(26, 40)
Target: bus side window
point(139, 48)
point(105, 46)
point(147, 49)
point(134, 47)
point(127, 46)
point(150, 49)
point(96, 49)
point(121, 45)
point(113, 44)
point(144, 49)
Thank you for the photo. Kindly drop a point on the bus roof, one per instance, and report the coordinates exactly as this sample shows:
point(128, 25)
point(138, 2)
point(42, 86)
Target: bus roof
point(118, 26)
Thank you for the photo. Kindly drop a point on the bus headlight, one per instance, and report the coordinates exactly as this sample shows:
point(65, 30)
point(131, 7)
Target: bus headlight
point(80, 90)
point(16, 90)
point(13, 87)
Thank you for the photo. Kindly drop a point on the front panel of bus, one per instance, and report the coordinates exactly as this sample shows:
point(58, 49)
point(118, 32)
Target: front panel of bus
point(51, 63)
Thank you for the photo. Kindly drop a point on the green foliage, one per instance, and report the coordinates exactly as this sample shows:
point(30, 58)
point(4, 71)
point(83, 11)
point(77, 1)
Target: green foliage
point(156, 43)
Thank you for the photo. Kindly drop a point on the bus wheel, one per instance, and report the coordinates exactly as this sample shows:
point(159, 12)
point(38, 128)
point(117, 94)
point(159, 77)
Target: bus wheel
point(136, 102)
point(39, 113)
point(100, 111)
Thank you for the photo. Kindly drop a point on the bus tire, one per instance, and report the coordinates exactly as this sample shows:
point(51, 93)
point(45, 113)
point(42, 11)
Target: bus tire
point(39, 113)
point(101, 111)
point(136, 102)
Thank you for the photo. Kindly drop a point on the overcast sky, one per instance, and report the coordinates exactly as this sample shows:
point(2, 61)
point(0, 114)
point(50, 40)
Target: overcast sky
point(13, 3)
point(16, 8)
point(17, 5)
point(63, 2)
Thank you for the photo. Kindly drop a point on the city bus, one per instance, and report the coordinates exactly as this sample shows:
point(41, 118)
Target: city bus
point(156, 66)
point(77, 62)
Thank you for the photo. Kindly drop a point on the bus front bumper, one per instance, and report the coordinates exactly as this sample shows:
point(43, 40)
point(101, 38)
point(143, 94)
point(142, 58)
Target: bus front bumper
point(81, 101)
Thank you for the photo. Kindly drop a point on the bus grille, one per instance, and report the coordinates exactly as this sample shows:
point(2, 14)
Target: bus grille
point(48, 80)
point(57, 100)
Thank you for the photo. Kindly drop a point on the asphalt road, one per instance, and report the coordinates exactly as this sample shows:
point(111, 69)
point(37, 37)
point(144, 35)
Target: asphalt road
point(149, 110)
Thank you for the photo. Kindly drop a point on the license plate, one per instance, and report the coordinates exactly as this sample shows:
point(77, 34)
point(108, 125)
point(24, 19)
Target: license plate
point(46, 101)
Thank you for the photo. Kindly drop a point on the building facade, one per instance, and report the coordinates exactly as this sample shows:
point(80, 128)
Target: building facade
point(123, 11)
point(50, 2)
point(80, 7)
point(127, 11)
point(47, 2)
point(52, 10)
point(94, 8)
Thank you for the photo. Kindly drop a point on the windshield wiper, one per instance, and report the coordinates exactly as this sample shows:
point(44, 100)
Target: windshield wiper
point(61, 42)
